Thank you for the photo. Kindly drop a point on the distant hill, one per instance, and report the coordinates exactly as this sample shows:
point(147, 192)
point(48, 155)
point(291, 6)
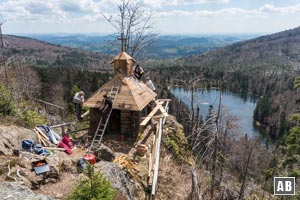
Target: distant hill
point(44, 54)
point(164, 47)
point(275, 52)
point(265, 66)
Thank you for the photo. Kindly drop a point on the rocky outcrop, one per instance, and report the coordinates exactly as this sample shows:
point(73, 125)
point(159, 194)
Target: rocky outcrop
point(11, 138)
point(63, 174)
point(104, 153)
point(120, 180)
point(17, 191)
point(58, 162)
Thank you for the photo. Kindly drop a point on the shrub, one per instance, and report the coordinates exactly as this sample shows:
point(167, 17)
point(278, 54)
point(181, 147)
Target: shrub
point(171, 144)
point(74, 90)
point(31, 118)
point(93, 187)
point(6, 104)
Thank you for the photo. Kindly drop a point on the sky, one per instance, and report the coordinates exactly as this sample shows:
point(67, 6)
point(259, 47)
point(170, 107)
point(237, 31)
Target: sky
point(171, 16)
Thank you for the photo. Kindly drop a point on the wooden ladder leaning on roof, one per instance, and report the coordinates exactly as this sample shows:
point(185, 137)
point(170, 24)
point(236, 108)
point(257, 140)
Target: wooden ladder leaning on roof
point(96, 142)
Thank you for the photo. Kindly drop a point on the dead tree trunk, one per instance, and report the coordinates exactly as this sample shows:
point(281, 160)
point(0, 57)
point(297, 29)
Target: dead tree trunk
point(244, 174)
point(216, 148)
point(196, 193)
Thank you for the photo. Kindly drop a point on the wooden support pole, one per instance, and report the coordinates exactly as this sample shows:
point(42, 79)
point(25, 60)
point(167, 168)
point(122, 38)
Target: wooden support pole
point(53, 148)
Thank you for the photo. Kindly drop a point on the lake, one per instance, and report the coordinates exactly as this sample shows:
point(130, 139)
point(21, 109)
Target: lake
point(239, 105)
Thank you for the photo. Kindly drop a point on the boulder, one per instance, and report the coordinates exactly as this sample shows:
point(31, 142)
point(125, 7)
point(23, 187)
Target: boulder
point(11, 138)
point(119, 180)
point(17, 191)
point(104, 153)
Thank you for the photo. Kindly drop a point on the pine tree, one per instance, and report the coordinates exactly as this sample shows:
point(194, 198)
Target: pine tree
point(93, 187)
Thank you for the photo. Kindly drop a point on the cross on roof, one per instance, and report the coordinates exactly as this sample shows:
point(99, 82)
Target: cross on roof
point(122, 42)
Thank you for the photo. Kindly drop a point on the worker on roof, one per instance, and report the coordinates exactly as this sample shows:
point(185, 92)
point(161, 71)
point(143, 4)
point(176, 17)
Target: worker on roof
point(137, 72)
point(78, 100)
point(150, 84)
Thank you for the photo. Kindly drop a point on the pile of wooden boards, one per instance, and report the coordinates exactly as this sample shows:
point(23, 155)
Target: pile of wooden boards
point(141, 149)
point(42, 138)
point(124, 162)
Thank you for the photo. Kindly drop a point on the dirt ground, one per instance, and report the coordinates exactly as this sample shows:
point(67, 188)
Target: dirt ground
point(62, 188)
point(67, 180)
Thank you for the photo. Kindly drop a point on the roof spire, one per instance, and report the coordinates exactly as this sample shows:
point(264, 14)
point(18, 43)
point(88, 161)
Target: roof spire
point(123, 42)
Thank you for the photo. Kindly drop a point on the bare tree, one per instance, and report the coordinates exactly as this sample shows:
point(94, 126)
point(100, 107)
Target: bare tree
point(29, 80)
point(134, 25)
point(196, 193)
point(2, 59)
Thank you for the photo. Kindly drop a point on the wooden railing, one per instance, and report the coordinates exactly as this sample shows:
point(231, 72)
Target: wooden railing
point(59, 110)
point(155, 151)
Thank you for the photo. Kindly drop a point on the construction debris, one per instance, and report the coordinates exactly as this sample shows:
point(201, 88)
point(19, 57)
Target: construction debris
point(42, 138)
point(141, 149)
point(124, 162)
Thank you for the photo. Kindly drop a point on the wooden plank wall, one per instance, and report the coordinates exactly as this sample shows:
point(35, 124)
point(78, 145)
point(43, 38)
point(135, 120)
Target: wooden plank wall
point(126, 123)
point(130, 123)
point(94, 120)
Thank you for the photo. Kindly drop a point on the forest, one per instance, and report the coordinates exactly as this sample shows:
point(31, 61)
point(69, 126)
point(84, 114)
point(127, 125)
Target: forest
point(55, 81)
point(266, 66)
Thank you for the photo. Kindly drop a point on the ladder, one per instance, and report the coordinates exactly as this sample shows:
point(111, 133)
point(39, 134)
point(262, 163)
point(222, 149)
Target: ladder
point(96, 142)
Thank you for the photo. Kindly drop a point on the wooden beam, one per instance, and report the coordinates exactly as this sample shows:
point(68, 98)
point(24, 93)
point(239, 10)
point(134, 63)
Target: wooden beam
point(43, 139)
point(48, 103)
point(164, 100)
point(163, 111)
point(43, 136)
point(75, 131)
point(53, 148)
point(148, 118)
point(85, 114)
point(155, 116)
point(152, 113)
point(64, 124)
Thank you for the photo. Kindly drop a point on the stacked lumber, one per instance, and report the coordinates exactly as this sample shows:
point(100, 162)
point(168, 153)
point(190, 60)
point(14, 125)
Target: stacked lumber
point(42, 138)
point(141, 149)
point(124, 162)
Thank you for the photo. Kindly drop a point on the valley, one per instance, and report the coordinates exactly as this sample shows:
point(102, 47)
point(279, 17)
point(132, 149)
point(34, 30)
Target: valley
point(265, 67)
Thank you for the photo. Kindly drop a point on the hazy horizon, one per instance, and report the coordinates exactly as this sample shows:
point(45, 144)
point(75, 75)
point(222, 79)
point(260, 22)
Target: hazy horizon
point(174, 34)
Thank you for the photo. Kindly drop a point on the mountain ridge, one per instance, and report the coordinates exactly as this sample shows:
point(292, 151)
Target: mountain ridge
point(278, 51)
point(41, 53)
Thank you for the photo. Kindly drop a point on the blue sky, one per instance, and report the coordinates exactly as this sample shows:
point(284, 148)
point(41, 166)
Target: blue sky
point(172, 16)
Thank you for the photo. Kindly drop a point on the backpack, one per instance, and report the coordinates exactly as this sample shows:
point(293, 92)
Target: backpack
point(82, 164)
point(39, 149)
point(30, 146)
point(27, 145)
point(66, 139)
point(68, 150)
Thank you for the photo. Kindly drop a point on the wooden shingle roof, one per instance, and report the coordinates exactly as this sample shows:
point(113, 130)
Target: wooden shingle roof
point(133, 95)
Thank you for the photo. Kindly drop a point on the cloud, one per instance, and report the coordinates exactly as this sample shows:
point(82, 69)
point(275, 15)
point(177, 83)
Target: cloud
point(269, 8)
point(207, 13)
point(85, 11)
point(230, 12)
point(79, 5)
point(51, 9)
point(22, 10)
point(161, 3)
